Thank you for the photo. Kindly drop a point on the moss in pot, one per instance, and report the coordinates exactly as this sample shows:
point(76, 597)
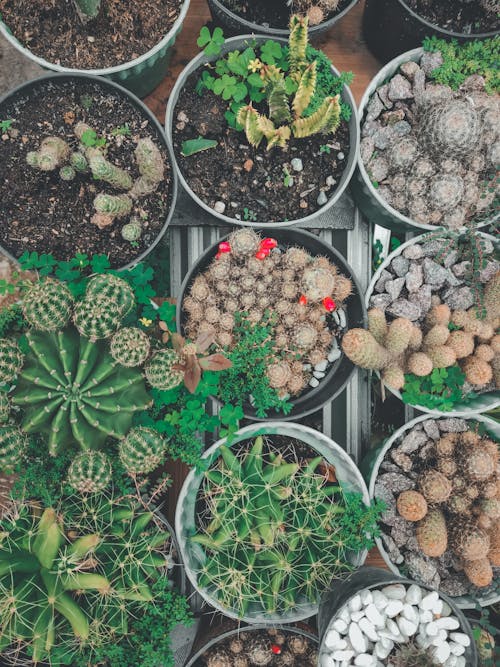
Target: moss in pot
point(262, 135)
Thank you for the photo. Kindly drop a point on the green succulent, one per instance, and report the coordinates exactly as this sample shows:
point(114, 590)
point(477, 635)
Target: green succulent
point(90, 472)
point(13, 442)
point(142, 450)
point(103, 170)
point(47, 305)
point(160, 372)
point(72, 390)
point(11, 360)
point(109, 287)
point(4, 406)
point(130, 346)
point(98, 318)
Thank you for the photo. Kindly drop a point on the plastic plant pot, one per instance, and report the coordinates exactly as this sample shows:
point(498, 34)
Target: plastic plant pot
point(199, 62)
point(141, 75)
point(108, 86)
point(391, 27)
point(482, 403)
point(370, 467)
point(373, 206)
point(233, 24)
point(372, 578)
point(185, 518)
point(341, 370)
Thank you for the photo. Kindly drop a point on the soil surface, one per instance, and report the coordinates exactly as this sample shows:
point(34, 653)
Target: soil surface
point(272, 13)
point(41, 212)
point(463, 17)
point(123, 31)
point(252, 183)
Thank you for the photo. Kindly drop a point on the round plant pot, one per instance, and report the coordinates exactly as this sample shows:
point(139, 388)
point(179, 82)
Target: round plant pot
point(370, 467)
point(341, 370)
point(391, 27)
point(185, 517)
point(178, 573)
point(200, 61)
point(372, 578)
point(141, 75)
point(289, 629)
point(25, 89)
point(483, 402)
point(373, 206)
point(233, 24)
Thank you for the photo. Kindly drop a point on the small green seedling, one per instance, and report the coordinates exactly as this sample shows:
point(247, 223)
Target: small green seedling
point(287, 180)
point(248, 214)
point(91, 140)
point(5, 125)
point(122, 131)
point(325, 148)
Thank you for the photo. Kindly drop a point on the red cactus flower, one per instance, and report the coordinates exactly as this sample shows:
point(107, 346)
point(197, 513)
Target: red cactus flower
point(224, 246)
point(276, 649)
point(329, 304)
point(268, 243)
point(302, 300)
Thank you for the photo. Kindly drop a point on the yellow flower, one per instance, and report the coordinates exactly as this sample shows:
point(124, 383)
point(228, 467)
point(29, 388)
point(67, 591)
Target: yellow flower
point(145, 322)
point(254, 65)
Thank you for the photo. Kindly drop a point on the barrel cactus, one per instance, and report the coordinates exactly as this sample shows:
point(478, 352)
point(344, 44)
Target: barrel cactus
point(97, 319)
point(142, 450)
point(12, 445)
point(111, 288)
point(47, 305)
point(72, 390)
point(130, 346)
point(160, 372)
point(90, 472)
point(11, 360)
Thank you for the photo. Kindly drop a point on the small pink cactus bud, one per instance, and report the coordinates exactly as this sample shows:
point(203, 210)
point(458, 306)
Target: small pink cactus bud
point(224, 246)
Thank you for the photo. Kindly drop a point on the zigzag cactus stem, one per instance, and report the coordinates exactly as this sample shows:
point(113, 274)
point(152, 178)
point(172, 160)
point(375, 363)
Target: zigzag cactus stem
point(72, 390)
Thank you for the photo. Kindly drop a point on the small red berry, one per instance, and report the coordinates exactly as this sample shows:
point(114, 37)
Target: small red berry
point(261, 254)
point(329, 304)
point(224, 246)
point(303, 300)
point(276, 649)
point(268, 243)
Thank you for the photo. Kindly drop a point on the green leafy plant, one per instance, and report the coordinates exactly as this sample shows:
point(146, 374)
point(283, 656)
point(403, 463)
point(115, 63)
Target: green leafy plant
point(248, 214)
point(90, 139)
point(325, 148)
point(122, 131)
point(440, 390)
point(5, 125)
point(211, 43)
point(287, 178)
point(193, 146)
point(276, 529)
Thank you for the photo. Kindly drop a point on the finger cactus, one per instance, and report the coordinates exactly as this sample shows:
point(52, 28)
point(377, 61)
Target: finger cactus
point(151, 167)
point(11, 360)
point(114, 206)
point(142, 450)
point(53, 152)
point(72, 390)
point(13, 442)
point(103, 170)
point(432, 534)
point(159, 371)
point(97, 319)
point(130, 347)
point(412, 505)
point(79, 162)
point(90, 472)
point(47, 305)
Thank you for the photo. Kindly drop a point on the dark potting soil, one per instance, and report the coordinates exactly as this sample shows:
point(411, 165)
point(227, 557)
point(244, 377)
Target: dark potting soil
point(41, 212)
point(123, 31)
point(272, 13)
point(461, 17)
point(252, 182)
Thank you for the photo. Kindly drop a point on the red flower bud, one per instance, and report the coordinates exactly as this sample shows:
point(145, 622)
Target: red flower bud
point(224, 246)
point(268, 243)
point(276, 649)
point(262, 254)
point(302, 300)
point(218, 255)
point(329, 304)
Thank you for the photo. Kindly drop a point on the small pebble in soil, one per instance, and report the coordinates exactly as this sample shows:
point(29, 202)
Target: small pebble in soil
point(340, 155)
point(322, 198)
point(219, 207)
point(297, 164)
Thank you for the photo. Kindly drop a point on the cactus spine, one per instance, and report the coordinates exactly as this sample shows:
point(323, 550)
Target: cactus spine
point(142, 450)
point(90, 472)
point(47, 305)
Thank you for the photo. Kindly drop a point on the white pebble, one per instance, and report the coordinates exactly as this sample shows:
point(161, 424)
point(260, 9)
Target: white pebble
point(318, 374)
point(394, 608)
point(426, 616)
point(340, 626)
point(334, 355)
point(451, 662)
point(432, 629)
point(322, 199)
point(313, 382)
point(327, 661)
point(330, 181)
point(383, 648)
point(343, 318)
point(365, 660)
point(332, 638)
point(297, 164)
point(342, 655)
point(413, 594)
point(457, 649)
point(437, 608)
point(395, 591)
point(442, 636)
point(366, 595)
point(429, 601)
point(369, 629)
point(357, 615)
point(379, 600)
point(447, 623)
point(460, 638)
point(407, 628)
point(357, 638)
point(442, 653)
point(422, 640)
point(219, 207)
point(321, 366)
point(373, 615)
point(344, 616)
point(411, 613)
point(460, 661)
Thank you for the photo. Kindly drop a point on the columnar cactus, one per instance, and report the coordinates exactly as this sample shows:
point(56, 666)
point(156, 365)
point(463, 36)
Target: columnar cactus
point(79, 162)
point(103, 170)
point(130, 347)
point(90, 472)
point(160, 372)
point(142, 450)
point(47, 305)
point(11, 360)
point(13, 442)
point(53, 152)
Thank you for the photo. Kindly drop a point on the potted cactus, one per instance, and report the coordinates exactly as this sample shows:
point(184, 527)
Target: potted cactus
point(130, 43)
point(427, 155)
point(432, 323)
point(275, 516)
point(283, 333)
point(107, 164)
point(240, 17)
point(391, 27)
point(438, 480)
point(263, 133)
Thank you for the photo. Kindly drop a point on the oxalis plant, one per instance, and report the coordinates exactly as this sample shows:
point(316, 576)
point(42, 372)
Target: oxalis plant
point(274, 529)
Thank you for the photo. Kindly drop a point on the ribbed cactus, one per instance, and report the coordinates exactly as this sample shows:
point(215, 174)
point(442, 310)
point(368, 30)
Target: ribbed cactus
point(12, 445)
point(112, 288)
point(76, 573)
point(47, 305)
point(53, 152)
point(103, 170)
point(160, 372)
point(97, 319)
point(11, 360)
point(142, 450)
point(90, 472)
point(130, 347)
point(72, 390)
point(432, 534)
point(4, 406)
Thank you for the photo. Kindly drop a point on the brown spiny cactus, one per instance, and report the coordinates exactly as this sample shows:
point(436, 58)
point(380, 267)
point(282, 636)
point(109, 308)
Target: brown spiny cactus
point(435, 487)
point(479, 572)
point(412, 505)
point(432, 534)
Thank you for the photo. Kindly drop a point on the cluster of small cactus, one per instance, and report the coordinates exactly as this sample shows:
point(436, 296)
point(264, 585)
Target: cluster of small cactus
point(75, 574)
point(292, 285)
point(287, 114)
point(55, 153)
point(456, 504)
point(256, 552)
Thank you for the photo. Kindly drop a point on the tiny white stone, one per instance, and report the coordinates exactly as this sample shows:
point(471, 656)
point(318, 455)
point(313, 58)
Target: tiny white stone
point(334, 355)
point(365, 660)
point(344, 616)
point(437, 608)
point(343, 655)
point(322, 199)
point(461, 662)
point(429, 600)
point(366, 595)
point(411, 613)
point(219, 207)
point(357, 638)
point(422, 640)
point(330, 181)
point(318, 374)
point(321, 366)
point(357, 615)
point(451, 662)
point(343, 318)
point(331, 638)
point(447, 623)
point(373, 615)
point(457, 649)
point(328, 661)
point(355, 603)
point(413, 594)
point(407, 628)
point(442, 653)
point(394, 591)
point(442, 636)
point(432, 629)
point(297, 164)
point(379, 600)
point(383, 648)
point(460, 638)
point(313, 382)
point(394, 608)
point(340, 155)
point(426, 616)
point(369, 629)
point(340, 626)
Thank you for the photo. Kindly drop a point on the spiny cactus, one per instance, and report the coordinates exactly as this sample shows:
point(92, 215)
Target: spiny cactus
point(103, 170)
point(67, 173)
point(244, 242)
point(132, 231)
point(286, 117)
point(409, 654)
point(12, 445)
point(151, 167)
point(435, 487)
point(142, 450)
point(90, 472)
point(11, 360)
point(159, 371)
point(469, 541)
point(432, 534)
point(114, 206)
point(4, 406)
point(79, 162)
point(47, 305)
point(72, 390)
point(109, 287)
point(130, 347)
point(97, 319)
point(450, 128)
point(412, 505)
point(53, 152)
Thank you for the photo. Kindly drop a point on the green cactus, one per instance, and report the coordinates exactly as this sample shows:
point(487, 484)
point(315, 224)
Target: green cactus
point(132, 231)
point(53, 152)
point(4, 407)
point(11, 360)
point(142, 450)
point(47, 305)
point(76, 574)
point(281, 123)
point(89, 8)
point(67, 173)
point(103, 170)
point(111, 288)
point(115, 206)
point(90, 472)
point(130, 347)
point(97, 319)
point(159, 372)
point(79, 162)
point(151, 167)
point(13, 442)
point(72, 390)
